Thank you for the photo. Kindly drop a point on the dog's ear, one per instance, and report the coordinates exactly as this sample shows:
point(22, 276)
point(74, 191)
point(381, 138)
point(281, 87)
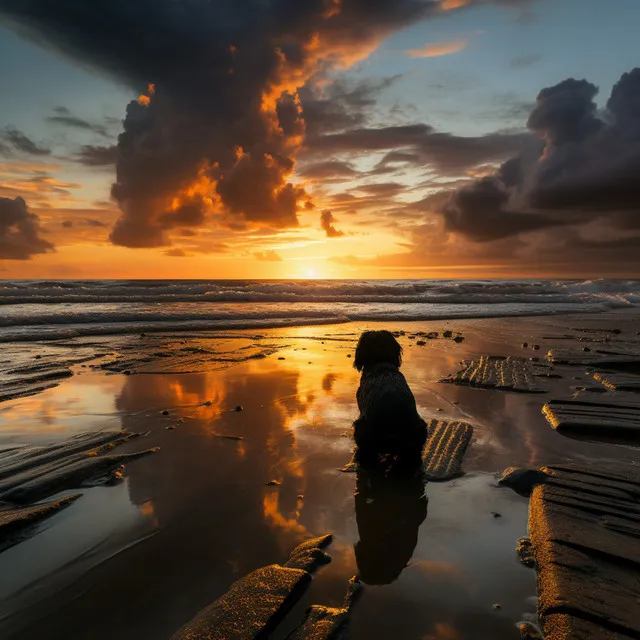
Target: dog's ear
point(375, 347)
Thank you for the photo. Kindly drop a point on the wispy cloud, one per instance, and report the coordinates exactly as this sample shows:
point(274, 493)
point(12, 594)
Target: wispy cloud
point(438, 49)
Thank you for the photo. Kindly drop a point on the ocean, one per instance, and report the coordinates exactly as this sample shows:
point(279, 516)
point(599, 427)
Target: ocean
point(47, 310)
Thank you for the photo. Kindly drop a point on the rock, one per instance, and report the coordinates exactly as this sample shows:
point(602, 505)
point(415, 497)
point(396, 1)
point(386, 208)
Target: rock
point(57, 477)
point(586, 349)
point(420, 343)
point(37, 357)
point(585, 525)
point(445, 449)
point(272, 483)
point(459, 339)
point(522, 481)
point(447, 334)
point(524, 550)
point(525, 345)
point(171, 427)
point(238, 408)
point(13, 521)
point(496, 606)
point(165, 413)
point(281, 358)
point(495, 514)
point(536, 347)
point(529, 632)
point(328, 623)
point(348, 355)
point(255, 605)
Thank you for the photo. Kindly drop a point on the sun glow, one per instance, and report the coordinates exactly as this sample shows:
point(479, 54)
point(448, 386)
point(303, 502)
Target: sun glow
point(310, 274)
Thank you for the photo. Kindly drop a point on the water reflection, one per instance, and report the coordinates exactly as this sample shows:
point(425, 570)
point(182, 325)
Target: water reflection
point(389, 512)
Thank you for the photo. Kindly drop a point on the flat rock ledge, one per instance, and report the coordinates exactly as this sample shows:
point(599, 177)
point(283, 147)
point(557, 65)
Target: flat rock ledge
point(257, 603)
point(584, 525)
point(497, 372)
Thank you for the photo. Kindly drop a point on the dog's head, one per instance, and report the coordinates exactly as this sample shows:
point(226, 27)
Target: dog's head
point(375, 347)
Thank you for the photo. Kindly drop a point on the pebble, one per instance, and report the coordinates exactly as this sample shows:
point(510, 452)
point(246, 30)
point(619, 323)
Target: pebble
point(496, 607)
point(421, 343)
point(165, 413)
point(495, 514)
point(38, 357)
point(281, 358)
point(536, 347)
point(586, 349)
point(525, 345)
point(459, 339)
point(348, 355)
point(171, 427)
point(447, 334)
point(272, 483)
point(238, 408)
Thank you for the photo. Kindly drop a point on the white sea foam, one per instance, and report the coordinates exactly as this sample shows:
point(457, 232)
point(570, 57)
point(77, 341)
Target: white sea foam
point(31, 310)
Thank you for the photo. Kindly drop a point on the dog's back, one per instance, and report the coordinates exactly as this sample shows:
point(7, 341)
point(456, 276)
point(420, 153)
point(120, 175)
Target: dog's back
point(389, 422)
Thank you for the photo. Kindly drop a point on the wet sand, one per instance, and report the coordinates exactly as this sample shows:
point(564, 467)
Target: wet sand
point(139, 559)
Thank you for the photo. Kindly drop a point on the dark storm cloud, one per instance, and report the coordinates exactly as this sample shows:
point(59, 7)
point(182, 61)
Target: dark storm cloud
point(326, 222)
point(421, 145)
point(66, 119)
point(329, 169)
point(19, 231)
point(97, 156)
point(586, 172)
point(20, 142)
point(222, 128)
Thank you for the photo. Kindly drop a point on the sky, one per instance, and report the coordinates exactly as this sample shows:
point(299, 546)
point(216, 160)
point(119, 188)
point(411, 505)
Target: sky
point(324, 139)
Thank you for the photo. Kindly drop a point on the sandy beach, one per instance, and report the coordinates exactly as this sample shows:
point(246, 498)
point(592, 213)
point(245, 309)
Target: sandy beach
point(139, 559)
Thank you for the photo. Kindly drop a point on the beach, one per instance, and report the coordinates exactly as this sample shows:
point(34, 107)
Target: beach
point(253, 427)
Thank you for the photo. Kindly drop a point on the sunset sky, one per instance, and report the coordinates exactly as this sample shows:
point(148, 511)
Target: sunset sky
point(319, 138)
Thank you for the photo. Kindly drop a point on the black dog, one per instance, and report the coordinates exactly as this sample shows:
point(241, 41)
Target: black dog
point(389, 431)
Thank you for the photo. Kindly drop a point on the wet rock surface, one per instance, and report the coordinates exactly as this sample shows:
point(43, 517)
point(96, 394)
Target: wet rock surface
point(584, 524)
point(496, 372)
point(328, 623)
point(255, 605)
point(445, 449)
point(14, 521)
point(618, 381)
point(522, 481)
point(610, 418)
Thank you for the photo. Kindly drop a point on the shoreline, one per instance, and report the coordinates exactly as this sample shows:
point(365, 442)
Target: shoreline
point(190, 520)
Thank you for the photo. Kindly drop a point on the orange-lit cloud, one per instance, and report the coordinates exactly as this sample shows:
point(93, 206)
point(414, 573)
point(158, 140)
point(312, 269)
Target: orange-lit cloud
point(448, 5)
point(438, 49)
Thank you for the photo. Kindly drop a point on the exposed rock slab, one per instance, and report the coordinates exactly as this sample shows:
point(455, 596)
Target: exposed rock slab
point(70, 473)
point(609, 419)
point(597, 359)
point(257, 603)
point(495, 372)
point(618, 381)
point(13, 521)
point(584, 524)
point(445, 448)
point(328, 623)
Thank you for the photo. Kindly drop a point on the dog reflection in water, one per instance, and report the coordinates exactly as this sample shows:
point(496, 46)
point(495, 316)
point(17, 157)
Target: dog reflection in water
point(389, 512)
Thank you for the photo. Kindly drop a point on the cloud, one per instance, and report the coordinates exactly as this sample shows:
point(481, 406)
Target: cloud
point(438, 49)
point(582, 177)
point(20, 142)
point(326, 222)
point(268, 256)
point(220, 128)
point(64, 118)
point(97, 156)
point(329, 169)
point(20, 231)
point(177, 253)
point(383, 189)
point(421, 145)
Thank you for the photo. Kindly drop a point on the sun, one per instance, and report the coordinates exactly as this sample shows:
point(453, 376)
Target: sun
point(310, 274)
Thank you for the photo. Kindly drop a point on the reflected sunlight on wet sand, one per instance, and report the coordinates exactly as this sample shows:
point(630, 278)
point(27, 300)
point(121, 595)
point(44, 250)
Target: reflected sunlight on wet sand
point(140, 559)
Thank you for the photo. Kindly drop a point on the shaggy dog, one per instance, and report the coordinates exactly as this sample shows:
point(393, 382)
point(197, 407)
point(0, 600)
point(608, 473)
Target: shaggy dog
point(389, 431)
